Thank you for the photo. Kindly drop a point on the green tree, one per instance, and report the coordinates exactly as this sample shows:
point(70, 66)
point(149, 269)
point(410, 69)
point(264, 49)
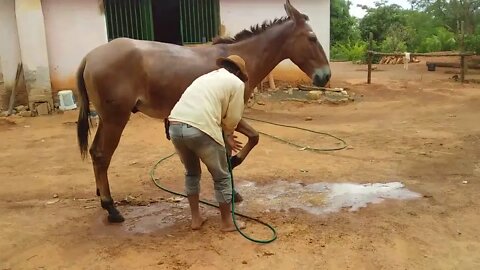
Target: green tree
point(420, 26)
point(342, 24)
point(472, 42)
point(441, 40)
point(430, 25)
point(451, 12)
point(380, 19)
point(396, 39)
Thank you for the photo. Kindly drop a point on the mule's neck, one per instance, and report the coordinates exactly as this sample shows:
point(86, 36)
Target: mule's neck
point(262, 53)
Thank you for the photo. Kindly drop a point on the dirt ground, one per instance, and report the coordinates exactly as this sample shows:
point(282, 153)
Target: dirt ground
point(413, 126)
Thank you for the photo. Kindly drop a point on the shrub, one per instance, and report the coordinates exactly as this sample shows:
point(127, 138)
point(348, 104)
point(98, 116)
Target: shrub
point(472, 42)
point(442, 40)
point(350, 51)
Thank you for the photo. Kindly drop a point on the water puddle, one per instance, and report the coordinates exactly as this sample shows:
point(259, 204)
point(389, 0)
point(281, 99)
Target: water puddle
point(317, 199)
point(320, 198)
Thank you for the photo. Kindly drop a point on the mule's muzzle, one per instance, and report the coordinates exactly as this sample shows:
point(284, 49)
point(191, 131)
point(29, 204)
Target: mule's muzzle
point(321, 77)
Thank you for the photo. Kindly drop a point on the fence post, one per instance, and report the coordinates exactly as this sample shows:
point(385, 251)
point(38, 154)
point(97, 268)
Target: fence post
point(370, 57)
point(462, 50)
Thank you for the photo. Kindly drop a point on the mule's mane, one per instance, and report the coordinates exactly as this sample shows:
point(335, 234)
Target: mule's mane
point(253, 31)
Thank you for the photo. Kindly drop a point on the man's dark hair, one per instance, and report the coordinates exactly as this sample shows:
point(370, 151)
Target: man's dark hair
point(231, 67)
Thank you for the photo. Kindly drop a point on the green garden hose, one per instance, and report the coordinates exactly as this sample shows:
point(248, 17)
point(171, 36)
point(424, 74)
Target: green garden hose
point(274, 233)
point(157, 183)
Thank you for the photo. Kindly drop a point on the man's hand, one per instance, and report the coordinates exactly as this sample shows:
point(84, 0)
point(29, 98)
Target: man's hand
point(234, 144)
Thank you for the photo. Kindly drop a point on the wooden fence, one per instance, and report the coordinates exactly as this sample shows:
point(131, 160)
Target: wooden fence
point(462, 55)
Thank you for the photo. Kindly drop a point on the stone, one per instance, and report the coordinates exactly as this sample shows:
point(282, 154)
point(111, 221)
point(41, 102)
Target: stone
point(38, 96)
point(25, 114)
point(268, 253)
point(21, 108)
point(308, 118)
point(176, 199)
point(337, 97)
point(314, 95)
point(43, 109)
point(54, 201)
point(261, 103)
point(336, 101)
point(4, 114)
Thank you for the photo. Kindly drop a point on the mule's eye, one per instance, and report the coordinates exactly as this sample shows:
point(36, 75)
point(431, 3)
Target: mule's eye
point(312, 37)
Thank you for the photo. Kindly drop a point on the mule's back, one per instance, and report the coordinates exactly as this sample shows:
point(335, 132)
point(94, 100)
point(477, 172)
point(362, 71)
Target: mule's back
point(148, 76)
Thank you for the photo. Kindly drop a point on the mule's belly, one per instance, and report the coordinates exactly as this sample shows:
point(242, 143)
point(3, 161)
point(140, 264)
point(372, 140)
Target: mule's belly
point(154, 110)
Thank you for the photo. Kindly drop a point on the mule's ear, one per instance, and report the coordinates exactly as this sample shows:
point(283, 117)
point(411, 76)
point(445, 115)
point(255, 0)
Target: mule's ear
point(293, 13)
point(287, 10)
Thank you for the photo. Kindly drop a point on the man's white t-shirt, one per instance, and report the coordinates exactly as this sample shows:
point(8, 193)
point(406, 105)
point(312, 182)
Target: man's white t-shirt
point(212, 103)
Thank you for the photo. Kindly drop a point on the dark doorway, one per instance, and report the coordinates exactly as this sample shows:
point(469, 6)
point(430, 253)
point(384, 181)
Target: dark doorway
point(166, 21)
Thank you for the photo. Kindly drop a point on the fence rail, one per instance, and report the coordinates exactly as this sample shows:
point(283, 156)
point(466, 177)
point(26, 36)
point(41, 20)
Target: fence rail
point(423, 54)
point(462, 55)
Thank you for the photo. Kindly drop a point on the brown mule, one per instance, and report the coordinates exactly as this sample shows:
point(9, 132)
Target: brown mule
point(125, 76)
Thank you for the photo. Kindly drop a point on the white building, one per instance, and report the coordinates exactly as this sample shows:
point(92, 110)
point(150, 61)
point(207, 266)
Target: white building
point(50, 37)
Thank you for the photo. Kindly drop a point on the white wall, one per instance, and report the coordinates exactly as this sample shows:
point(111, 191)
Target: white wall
point(73, 28)
point(9, 45)
point(31, 30)
point(237, 15)
point(33, 46)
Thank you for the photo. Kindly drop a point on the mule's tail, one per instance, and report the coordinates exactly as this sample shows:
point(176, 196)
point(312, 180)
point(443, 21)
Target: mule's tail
point(83, 123)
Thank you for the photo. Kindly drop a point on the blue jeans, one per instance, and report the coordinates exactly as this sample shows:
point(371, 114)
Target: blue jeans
point(193, 145)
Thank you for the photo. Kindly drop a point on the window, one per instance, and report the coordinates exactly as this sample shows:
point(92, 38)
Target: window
point(200, 20)
point(172, 21)
point(129, 18)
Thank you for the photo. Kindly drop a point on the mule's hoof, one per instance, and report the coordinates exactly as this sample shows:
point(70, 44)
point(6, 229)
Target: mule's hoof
point(116, 218)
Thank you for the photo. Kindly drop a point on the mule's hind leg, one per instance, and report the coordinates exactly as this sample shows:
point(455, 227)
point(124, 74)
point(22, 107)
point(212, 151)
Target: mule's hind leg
point(103, 146)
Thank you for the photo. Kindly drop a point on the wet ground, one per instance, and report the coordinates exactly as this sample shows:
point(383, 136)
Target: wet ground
point(321, 198)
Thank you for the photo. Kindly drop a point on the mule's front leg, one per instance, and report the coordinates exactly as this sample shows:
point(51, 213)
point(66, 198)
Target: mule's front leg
point(253, 138)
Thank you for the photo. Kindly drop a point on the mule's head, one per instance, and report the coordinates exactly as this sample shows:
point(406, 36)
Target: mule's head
point(304, 49)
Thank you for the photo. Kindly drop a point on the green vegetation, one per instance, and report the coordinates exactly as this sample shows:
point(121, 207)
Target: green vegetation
point(428, 26)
